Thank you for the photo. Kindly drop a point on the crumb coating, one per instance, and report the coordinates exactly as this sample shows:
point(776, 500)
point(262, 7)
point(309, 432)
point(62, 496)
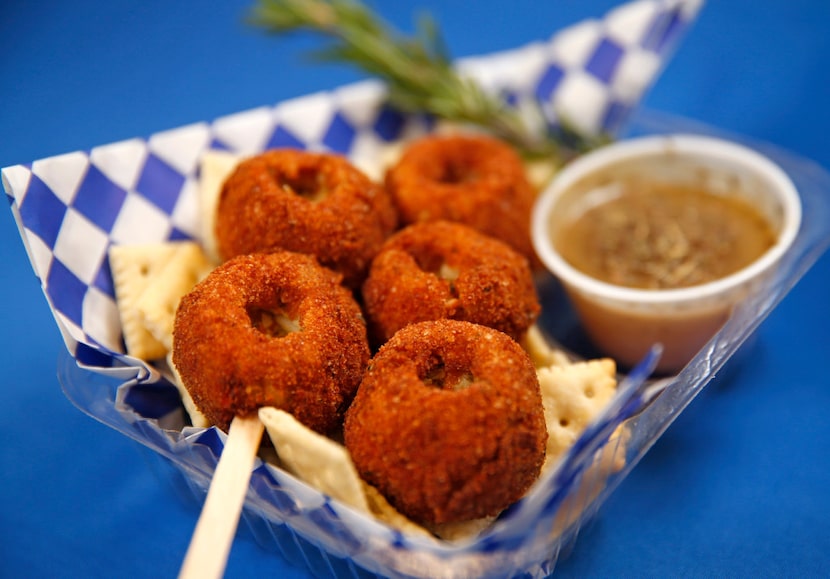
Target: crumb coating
point(315, 203)
point(473, 179)
point(445, 270)
point(448, 422)
point(271, 330)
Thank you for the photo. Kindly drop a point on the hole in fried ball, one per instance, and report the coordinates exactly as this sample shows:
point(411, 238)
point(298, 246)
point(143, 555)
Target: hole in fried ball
point(448, 272)
point(443, 377)
point(456, 172)
point(274, 324)
point(307, 184)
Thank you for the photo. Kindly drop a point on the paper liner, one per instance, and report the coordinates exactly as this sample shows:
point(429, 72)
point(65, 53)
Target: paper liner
point(71, 207)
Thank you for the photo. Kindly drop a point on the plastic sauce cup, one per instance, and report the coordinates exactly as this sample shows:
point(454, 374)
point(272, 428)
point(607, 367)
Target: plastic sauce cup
point(625, 322)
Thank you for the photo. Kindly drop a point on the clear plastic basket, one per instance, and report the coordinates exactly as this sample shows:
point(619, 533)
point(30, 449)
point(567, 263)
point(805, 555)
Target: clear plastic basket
point(330, 539)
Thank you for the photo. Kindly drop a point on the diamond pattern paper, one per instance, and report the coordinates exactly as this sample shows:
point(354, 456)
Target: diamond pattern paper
point(590, 75)
point(72, 208)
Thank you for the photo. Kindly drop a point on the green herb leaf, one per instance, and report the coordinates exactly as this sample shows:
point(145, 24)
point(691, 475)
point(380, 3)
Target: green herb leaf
point(417, 70)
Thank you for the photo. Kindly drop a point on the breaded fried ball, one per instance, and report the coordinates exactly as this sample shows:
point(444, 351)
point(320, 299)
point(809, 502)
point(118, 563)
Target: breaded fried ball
point(440, 269)
point(448, 422)
point(316, 203)
point(272, 329)
point(473, 179)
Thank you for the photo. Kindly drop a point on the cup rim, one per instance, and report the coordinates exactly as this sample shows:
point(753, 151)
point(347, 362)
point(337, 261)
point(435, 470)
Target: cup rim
point(655, 145)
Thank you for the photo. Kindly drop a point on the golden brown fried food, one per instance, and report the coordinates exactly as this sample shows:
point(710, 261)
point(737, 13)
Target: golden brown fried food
point(314, 203)
point(448, 422)
point(271, 330)
point(440, 269)
point(473, 179)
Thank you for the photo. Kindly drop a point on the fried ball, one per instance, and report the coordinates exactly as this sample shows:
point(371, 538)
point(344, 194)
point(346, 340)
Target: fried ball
point(473, 179)
point(448, 422)
point(271, 330)
point(315, 203)
point(440, 269)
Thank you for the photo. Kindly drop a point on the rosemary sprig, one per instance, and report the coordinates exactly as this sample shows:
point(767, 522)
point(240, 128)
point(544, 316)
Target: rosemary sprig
point(417, 70)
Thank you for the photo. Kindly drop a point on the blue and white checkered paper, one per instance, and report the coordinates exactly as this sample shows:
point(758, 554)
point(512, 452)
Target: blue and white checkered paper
point(71, 208)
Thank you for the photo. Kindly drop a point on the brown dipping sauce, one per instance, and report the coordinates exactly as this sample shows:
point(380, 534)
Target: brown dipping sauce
point(664, 236)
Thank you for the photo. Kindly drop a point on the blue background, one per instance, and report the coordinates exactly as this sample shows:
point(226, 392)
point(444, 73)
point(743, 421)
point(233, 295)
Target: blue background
point(739, 484)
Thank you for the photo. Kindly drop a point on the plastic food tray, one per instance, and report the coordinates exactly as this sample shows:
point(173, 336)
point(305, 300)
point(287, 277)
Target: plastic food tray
point(310, 530)
point(70, 208)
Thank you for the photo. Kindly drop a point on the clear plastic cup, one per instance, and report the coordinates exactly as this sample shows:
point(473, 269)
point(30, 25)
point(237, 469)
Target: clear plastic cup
point(625, 322)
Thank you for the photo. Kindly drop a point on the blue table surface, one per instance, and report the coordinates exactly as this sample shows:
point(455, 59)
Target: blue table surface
point(738, 485)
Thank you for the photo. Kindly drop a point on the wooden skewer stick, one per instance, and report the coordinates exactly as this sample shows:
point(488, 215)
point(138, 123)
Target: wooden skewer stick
point(210, 545)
